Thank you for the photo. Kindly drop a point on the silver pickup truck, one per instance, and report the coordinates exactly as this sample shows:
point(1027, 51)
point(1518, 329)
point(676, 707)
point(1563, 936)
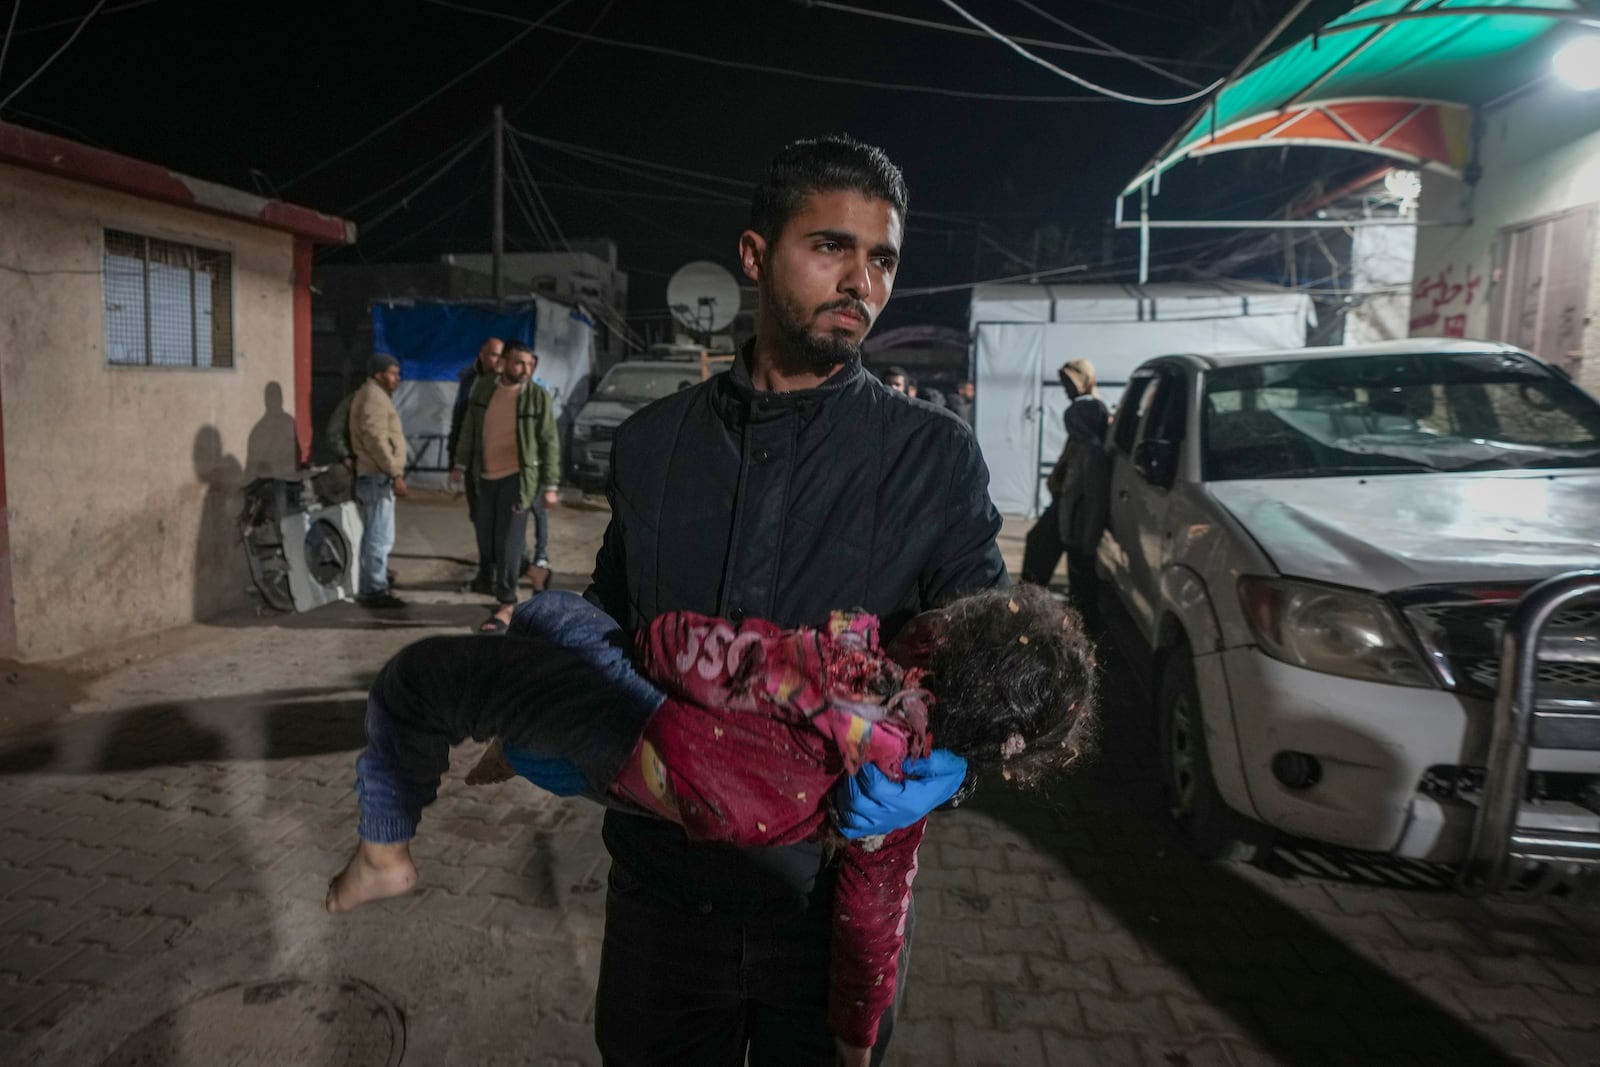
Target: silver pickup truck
point(1321, 549)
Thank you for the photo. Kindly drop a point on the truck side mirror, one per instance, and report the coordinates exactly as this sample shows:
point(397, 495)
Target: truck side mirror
point(1156, 461)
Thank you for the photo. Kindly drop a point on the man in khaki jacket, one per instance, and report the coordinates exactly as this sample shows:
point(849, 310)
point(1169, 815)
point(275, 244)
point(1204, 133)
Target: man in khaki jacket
point(380, 453)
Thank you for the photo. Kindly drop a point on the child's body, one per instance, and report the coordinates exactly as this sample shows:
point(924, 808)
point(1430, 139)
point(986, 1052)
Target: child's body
point(740, 733)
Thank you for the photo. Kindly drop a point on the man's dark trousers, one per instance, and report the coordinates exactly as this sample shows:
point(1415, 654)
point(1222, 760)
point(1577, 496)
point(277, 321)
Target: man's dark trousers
point(541, 530)
point(1042, 548)
point(759, 981)
point(502, 527)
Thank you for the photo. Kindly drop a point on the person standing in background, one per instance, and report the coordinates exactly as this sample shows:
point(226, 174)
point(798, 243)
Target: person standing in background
point(490, 358)
point(379, 446)
point(509, 446)
point(1043, 549)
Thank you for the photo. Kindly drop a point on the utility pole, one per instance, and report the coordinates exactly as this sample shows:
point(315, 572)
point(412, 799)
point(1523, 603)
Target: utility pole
point(497, 242)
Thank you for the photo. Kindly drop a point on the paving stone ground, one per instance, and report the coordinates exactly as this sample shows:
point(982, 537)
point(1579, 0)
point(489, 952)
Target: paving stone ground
point(173, 835)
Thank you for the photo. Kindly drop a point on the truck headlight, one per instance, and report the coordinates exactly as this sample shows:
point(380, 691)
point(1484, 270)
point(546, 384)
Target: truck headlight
point(581, 431)
point(1336, 631)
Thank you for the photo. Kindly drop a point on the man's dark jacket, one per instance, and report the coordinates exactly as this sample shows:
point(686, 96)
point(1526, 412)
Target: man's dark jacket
point(465, 381)
point(783, 506)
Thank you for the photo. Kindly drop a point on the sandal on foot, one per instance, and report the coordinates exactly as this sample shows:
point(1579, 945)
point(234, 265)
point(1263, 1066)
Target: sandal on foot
point(494, 624)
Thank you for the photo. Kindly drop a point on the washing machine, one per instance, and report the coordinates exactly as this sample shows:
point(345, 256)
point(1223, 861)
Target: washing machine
point(302, 542)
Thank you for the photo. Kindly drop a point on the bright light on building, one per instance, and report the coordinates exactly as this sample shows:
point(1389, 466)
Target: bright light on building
point(1405, 184)
point(1577, 62)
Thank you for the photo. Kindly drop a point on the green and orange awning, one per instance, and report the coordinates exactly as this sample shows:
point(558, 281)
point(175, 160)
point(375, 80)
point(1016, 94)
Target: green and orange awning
point(1396, 78)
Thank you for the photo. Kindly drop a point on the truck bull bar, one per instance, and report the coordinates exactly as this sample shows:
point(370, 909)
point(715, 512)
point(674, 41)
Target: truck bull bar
point(1507, 856)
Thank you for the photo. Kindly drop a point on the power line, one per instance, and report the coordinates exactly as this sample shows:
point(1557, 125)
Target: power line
point(634, 194)
point(370, 197)
point(964, 94)
point(1074, 78)
point(53, 55)
point(475, 187)
point(1086, 270)
point(934, 290)
point(11, 28)
point(648, 220)
point(45, 120)
point(531, 216)
point(967, 31)
point(485, 61)
point(551, 215)
point(1110, 48)
point(119, 9)
point(600, 156)
point(537, 201)
point(558, 64)
point(405, 201)
point(684, 171)
point(523, 204)
point(430, 224)
point(605, 159)
point(586, 151)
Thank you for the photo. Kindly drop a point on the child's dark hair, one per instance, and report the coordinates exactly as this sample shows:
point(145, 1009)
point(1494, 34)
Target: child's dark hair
point(823, 164)
point(1013, 679)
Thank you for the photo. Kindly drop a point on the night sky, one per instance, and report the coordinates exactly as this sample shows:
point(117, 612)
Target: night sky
point(264, 95)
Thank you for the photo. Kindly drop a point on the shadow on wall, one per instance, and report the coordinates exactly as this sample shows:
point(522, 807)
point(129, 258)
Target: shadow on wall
point(220, 572)
point(272, 450)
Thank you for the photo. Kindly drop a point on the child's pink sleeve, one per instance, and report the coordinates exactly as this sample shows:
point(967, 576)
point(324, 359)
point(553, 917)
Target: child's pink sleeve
point(870, 903)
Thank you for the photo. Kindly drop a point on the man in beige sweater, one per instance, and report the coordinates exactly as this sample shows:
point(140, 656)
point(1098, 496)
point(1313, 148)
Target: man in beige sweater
point(510, 447)
point(379, 446)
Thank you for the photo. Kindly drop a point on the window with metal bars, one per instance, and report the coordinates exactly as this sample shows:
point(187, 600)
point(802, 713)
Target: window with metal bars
point(167, 304)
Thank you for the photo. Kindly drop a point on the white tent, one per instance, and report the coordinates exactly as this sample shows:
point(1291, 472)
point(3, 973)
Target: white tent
point(1022, 333)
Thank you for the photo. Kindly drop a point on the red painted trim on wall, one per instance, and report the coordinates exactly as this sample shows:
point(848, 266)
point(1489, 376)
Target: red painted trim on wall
point(8, 607)
point(302, 349)
point(95, 166)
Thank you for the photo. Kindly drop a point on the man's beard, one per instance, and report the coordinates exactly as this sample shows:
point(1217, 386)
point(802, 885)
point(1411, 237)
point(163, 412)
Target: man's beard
point(809, 350)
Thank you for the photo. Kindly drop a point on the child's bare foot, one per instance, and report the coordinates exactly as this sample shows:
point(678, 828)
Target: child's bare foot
point(373, 873)
point(492, 766)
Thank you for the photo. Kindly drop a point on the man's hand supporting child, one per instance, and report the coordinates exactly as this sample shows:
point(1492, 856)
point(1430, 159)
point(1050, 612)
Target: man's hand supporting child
point(871, 803)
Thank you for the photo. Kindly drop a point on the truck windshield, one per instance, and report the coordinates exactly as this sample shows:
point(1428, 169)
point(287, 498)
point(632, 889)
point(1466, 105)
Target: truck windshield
point(639, 384)
point(1394, 414)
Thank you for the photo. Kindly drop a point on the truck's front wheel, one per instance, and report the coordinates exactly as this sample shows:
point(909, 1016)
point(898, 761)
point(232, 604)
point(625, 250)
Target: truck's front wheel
point(1207, 824)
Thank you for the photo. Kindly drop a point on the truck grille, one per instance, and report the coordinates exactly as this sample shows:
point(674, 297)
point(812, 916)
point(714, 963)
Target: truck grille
point(1459, 628)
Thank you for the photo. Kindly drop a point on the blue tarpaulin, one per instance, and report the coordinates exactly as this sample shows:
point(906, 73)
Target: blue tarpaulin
point(434, 342)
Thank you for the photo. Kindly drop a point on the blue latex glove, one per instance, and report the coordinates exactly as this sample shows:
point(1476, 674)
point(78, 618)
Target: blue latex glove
point(558, 776)
point(870, 803)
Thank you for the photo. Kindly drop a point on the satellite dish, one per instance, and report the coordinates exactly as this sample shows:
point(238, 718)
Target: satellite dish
point(703, 297)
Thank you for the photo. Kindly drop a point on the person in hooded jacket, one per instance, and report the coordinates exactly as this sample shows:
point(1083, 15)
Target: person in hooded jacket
point(1043, 547)
point(1083, 500)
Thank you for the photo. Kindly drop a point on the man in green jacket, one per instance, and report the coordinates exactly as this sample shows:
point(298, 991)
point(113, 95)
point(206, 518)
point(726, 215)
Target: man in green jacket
point(510, 446)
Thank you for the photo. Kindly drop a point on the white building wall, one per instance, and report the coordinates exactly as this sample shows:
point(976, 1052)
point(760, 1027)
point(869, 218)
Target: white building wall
point(1540, 155)
point(122, 482)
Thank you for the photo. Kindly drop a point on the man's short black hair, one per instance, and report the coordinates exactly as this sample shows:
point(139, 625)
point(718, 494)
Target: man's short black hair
point(519, 346)
point(894, 371)
point(833, 163)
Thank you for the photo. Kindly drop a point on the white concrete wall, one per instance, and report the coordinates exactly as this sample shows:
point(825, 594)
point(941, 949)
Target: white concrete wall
point(123, 481)
point(1540, 155)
